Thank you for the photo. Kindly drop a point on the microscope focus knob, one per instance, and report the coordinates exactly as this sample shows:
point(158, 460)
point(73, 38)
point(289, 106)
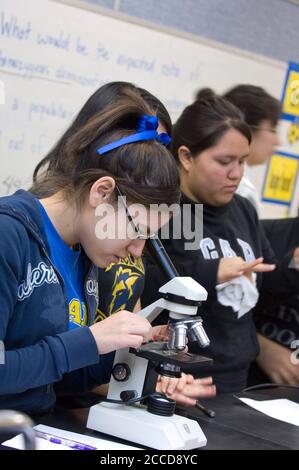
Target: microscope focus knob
point(121, 372)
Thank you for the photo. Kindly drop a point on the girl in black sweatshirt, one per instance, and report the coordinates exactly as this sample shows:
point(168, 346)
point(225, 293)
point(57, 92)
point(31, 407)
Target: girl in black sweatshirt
point(210, 143)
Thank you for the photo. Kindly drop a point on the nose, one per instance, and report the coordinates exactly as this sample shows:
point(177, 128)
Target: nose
point(236, 171)
point(136, 248)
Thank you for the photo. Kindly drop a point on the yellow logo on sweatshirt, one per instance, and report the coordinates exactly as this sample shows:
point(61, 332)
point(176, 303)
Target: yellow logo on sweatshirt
point(78, 312)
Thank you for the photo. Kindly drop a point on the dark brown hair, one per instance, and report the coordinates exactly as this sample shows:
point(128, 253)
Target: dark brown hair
point(203, 123)
point(255, 103)
point(144, 171)
point(98, 101)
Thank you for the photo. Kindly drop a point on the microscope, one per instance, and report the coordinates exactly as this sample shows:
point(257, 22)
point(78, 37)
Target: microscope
point(135, 372)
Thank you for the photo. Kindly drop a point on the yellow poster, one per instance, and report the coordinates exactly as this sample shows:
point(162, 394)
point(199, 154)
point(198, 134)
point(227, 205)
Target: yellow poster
point(281, 178)
point(291, 94)
point(293, 134)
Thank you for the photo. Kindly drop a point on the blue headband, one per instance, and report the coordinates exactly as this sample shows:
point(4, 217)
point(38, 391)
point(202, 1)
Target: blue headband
point(147, 130)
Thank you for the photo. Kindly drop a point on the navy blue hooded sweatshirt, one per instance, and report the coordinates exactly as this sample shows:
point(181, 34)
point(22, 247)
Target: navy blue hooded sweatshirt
point(40, 350)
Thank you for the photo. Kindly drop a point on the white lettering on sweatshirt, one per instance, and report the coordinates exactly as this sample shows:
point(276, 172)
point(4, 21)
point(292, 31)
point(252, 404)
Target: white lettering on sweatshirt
point(209, 249)
point(42, 274)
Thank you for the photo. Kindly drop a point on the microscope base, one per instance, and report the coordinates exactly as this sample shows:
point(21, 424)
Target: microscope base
point(136, 424)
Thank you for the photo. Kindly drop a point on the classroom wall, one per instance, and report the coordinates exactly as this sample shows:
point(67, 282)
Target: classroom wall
point(233, 22)
point(267, 27)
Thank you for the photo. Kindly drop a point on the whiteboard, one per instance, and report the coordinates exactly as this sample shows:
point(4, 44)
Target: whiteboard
point(53, 56)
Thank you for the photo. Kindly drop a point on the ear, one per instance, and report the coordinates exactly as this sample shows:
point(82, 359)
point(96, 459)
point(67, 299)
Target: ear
point(185, 158)
point(101, 190)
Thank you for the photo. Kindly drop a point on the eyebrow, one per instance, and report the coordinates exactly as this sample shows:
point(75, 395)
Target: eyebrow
point(232, 157)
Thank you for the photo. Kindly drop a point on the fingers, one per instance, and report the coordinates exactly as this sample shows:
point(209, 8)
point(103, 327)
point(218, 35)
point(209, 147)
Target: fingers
point(181, 383)
point(132, 329)
point(172, 385)
point(258, 266)
point(133, 341)
point(190, 379)
point(207, 392)
point(184, 380)
point(231, 268)
point(136, 325)
point(186, 390)
point(168, 384)
point(249, 265)
point(160, 333)
point(197, 390)
point(234, 267)
point(131, 322)
point(192, 392)
point(264, 268)
point(163, 384)
point(121, 330)
point(204, 381)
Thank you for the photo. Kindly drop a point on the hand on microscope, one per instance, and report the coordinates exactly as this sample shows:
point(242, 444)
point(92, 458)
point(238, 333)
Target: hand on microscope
point(160, 333)
point(186, 390)
point(121, 330)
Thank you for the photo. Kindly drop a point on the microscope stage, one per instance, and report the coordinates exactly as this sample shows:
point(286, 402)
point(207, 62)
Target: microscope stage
point(158, 352)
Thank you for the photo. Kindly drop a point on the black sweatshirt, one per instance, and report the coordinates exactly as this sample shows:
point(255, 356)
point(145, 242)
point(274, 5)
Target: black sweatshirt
point(278, 317)
point(234, 345)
